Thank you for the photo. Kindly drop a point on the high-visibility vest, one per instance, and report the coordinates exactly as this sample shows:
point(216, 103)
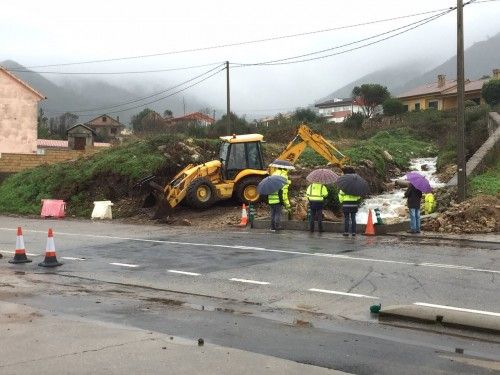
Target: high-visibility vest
point(343, 197)
point(429, 203)
point(274, 197)
point(316, 192)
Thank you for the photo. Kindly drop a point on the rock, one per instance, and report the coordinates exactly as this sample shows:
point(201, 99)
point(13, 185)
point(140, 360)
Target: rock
point(195, 157)
point(186, 222)
point(424, 167)
point(401, 211)
point(368, 163)
point(162, 148)
point(389, 186)
point(387, 156)
point(401, 183)
point(167, 155)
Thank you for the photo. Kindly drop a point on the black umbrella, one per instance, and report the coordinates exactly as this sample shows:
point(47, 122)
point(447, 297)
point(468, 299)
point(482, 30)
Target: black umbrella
point(353, 184)
point(271, 184)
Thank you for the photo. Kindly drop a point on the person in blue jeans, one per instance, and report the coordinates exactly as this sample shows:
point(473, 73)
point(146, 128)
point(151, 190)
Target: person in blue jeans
point(414, 196)
point(350, 204)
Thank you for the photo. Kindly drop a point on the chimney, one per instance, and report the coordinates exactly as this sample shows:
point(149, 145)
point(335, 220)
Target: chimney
point(496, 73)
point(441, 80)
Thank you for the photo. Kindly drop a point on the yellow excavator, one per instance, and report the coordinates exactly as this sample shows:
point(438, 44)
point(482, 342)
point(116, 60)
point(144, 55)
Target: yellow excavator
point(237, 173)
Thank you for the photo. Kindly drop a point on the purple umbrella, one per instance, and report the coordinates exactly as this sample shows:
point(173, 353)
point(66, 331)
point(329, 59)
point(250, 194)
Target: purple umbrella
point(322, 176)
point(419, 181)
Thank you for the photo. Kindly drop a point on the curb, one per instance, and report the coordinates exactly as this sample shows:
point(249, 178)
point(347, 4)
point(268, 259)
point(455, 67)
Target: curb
point(466, 241)
point(474, 321)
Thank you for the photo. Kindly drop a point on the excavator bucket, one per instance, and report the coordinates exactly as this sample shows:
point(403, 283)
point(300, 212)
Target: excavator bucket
point(155, 197)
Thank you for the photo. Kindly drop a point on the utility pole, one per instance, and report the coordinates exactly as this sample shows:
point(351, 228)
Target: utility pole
point(184, 105)
point(461, 166)
point(228, 104)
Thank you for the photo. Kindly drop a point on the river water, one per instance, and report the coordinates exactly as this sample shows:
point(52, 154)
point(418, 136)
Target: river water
point(392, 202)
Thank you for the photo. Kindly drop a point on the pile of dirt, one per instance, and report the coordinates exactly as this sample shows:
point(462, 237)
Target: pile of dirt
point(480, 214)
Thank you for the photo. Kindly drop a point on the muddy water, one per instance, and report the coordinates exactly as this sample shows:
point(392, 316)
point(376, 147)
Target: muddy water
point(392, 202)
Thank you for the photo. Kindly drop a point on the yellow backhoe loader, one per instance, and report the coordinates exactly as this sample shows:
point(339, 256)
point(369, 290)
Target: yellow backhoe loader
point(237, 173)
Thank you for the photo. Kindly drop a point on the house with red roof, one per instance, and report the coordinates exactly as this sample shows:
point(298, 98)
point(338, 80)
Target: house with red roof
point(193, 118)
point(442, 94)
point(336, 109)
point(18, 114)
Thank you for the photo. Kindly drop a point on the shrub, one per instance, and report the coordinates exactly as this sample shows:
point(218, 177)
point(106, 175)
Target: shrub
point(393, 107)
point(491, 92)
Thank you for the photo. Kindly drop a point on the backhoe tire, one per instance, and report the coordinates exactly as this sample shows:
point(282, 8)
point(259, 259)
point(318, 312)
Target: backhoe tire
point(246, 190)
point(201, 193)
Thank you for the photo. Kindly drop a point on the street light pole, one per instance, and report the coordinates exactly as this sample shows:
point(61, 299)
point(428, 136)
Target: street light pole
point(461, 166)
point(228, 103)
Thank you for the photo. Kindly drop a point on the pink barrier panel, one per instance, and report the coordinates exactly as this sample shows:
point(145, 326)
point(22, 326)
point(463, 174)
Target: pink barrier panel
point(53, 208)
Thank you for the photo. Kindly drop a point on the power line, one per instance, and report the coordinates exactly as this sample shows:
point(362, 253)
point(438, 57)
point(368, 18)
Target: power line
point(405, 28)
point(116, 73)
point(167, 96)
point(174, 52)
point(139, 99)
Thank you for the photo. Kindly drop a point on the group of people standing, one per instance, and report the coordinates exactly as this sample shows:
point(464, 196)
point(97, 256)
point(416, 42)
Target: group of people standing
point(316, 193)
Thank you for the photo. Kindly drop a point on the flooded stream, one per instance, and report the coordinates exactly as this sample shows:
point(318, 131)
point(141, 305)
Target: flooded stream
point(393, 202)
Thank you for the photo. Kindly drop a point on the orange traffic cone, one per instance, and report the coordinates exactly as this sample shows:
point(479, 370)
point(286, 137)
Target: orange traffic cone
point(244, 216)
point(20, 254)
point(370, 229)
point(50, 252)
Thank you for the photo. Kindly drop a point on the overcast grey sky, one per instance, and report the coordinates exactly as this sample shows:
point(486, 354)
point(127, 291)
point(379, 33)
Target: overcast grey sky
point(48, 32)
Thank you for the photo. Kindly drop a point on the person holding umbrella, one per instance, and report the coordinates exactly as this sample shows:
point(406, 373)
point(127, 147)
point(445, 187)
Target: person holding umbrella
point(352, 188)
point(418, 185)
point(316, 193)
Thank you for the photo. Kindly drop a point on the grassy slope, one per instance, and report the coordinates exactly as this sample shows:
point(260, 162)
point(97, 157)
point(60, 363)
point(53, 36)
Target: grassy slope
point(105, 175)
point(488, 182)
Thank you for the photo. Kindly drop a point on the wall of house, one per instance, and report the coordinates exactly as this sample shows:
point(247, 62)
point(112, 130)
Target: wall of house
point(411, 103)
point(18, 117)
point(16, 162)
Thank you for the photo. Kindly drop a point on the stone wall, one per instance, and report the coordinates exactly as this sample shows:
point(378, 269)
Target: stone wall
point(11, 163)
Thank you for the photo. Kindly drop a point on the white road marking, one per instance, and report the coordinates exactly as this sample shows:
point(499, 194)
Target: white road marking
point(250, 281)
point(457, 309)
point(72, 258)
point(253, 248)
point(185, 273)
point(341, 293)
point(13, 252)
point(125, 265)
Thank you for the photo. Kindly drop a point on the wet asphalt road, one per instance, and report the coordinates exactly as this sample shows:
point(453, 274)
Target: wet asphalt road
point(255, 285)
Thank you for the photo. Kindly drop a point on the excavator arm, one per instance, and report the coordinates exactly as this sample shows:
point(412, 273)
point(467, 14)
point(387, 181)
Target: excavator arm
point(305, 137)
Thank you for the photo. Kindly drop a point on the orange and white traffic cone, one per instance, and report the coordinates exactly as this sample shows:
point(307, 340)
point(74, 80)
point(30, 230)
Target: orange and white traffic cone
point(50, 252)
point(244, 216)
point(370, 229)
point(20, 254)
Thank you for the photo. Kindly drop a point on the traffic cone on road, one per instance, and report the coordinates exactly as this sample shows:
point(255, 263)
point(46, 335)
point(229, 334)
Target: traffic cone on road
point(244, 216)
point(20, 254)
point(370, 229)
point(50, 252)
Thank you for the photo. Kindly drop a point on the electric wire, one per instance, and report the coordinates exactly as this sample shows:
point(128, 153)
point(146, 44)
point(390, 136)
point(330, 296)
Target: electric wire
point(138, 99)
point(279, 37)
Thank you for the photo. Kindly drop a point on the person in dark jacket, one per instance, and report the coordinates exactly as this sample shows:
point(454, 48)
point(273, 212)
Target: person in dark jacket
point(414, 196)
point(350, 204)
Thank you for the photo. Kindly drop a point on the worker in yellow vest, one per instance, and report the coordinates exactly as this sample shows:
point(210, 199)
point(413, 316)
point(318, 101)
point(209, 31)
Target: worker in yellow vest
point(350, 204)
point(278, 200)
point(316, 194)
point(429, 203)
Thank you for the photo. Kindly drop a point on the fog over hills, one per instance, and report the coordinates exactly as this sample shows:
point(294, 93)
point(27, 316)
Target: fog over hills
point(480, 59)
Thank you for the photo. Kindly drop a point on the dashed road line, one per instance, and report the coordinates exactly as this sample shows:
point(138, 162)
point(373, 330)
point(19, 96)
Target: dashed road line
point(292, 252)
point(73, 258)
point(185, 273)
point(457, 309)
point(250, 281)
point(125, 265)
point(341, 293)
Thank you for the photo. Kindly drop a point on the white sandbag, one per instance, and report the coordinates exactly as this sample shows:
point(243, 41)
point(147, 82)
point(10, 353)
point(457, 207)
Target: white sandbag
point(102, 210)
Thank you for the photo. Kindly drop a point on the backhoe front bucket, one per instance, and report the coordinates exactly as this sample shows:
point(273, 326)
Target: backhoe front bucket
point(155, 198)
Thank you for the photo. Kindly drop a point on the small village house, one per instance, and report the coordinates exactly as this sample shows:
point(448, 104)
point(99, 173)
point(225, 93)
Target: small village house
point(106, 126)
point(80, 137)
point(197, 118)
point(337, 110)
point(442, 94)
point(18, 114)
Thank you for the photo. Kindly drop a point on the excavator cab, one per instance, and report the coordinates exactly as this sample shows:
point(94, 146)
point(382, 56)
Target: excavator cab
point(239, 153)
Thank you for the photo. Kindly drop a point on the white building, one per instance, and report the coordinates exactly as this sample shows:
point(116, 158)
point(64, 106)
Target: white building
point(336, 110)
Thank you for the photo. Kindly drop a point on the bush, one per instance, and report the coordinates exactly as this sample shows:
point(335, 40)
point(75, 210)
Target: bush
point(491, 92)
point(354, 120)
point(393, 107)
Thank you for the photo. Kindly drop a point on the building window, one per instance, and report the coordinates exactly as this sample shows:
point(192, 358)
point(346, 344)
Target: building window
point(417, 106)
point(104, 118)
point(433, 104)
point(405, 108)
point(113, 130)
